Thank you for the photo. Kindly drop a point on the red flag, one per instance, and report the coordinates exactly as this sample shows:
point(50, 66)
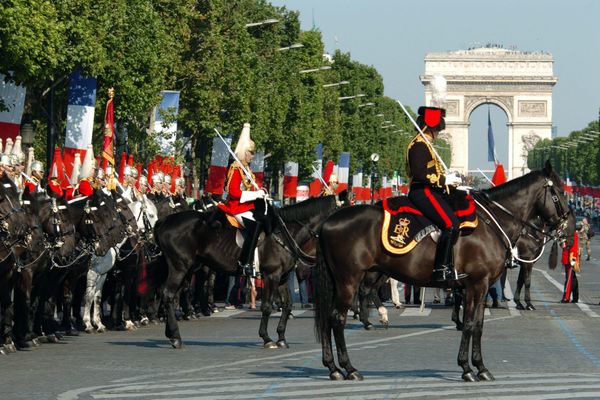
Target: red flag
point(328, 171)
point(290, 179)
point(499, 178)
point(130, 160)
point(108, 155)
point(122, 166)
point(57, 169)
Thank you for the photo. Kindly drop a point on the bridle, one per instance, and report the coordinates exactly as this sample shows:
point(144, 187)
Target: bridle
point(555, 232)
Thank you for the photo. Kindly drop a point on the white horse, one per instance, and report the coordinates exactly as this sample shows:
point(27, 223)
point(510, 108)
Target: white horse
point(145, 214)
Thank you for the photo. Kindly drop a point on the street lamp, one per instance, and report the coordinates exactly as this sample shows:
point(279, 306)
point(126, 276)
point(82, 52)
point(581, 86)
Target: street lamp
point(351, 97)
point(374, 159)
point(380, 115)
point(265, 22)
point(336, 84)
point(323, 68)
point(27, 134)
point(292, 46)
point(366, 105)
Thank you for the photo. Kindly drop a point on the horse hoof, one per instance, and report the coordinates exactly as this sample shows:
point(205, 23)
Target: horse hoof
point(369, 326)
point(469, 377)
point(519, 306)
point(72, 332)
point(486, 375)
point(530, 307)
point(354, 376)
point(2, 351)
point(336, 376)
point(145, 321)
point(386, 324)
point(102, 329)
point(269, 345)
point(176, 343)
point(282, 344)
point(89, 330)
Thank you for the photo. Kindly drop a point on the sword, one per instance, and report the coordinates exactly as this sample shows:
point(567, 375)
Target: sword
point(248, 174)
point(485, 176)
point(424, 137)
point(319, 176)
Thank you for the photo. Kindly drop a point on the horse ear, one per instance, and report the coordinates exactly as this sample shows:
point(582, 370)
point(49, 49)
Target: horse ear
point(548, 168)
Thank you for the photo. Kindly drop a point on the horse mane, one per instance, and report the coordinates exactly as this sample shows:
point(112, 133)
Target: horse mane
point(307, 208)
point(508, 189)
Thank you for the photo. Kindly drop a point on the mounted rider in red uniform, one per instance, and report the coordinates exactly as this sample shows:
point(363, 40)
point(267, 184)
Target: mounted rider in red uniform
point(429, 187)
point(240, 200)
point(37, 174)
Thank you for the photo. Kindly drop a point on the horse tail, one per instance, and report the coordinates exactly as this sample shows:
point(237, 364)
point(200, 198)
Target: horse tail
point(553, 259)
point(323, 294)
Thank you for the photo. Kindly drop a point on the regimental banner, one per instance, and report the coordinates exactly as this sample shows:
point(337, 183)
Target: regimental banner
point(343, 171)
point(290, 179)
point(218, 166)
point(169, 106)
point(13, 97)
point(258, 167)
point(80, 117)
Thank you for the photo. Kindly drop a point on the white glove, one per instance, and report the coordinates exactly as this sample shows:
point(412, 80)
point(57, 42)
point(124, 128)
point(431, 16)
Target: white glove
point(252, 195)
point(453, 179)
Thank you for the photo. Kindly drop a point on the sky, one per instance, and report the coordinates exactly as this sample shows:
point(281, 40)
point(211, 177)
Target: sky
point(395, 35)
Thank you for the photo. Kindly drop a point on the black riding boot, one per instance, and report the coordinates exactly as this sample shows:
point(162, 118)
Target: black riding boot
point(246, 261)
point(443, 269)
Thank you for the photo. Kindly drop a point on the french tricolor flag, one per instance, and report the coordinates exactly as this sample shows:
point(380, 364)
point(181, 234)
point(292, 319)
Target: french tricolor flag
point(258, 167)
point(343, 171)
point(80, 117)
point(357, 185)
point(169, 105)
point(290, 179)
point(13, 97)
point(315, 185)
point(218, 166)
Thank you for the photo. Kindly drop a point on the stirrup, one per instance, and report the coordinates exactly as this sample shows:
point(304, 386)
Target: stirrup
point(447, 274)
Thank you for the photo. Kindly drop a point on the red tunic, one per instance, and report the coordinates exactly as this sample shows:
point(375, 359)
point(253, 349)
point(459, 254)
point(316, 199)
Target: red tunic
point(69, 193)
point(235, 185)
point(31, 186)
point(85, 188)
point(54, 186)
point(573, 251)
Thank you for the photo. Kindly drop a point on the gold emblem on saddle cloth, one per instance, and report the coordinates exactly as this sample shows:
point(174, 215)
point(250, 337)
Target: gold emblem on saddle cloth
point(396, 244)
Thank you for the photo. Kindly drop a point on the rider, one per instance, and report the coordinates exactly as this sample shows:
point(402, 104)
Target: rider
point(429, 186)
point(240, 200)
point(37, 174)
point(86, 182)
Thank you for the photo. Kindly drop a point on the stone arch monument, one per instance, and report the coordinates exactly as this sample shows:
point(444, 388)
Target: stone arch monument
point(520, 83)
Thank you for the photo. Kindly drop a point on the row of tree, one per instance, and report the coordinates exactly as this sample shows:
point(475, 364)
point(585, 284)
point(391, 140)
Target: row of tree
point(576, 156)
point(228, 73)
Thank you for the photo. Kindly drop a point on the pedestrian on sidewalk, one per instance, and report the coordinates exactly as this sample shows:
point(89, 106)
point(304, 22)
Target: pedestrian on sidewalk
point(585, 234)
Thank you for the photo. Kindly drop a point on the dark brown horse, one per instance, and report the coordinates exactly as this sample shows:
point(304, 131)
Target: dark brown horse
point(190, 238)
point(350, 245)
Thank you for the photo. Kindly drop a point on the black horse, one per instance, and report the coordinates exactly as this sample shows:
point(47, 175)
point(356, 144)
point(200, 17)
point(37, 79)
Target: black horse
point(341, 264)
point(190, 238)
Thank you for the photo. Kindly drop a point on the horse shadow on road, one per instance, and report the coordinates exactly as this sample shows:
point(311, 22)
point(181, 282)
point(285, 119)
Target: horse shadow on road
point(164, 343)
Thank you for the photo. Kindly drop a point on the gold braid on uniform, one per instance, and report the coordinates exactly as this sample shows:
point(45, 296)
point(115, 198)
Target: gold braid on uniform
point(245, 181)
point(434, 178)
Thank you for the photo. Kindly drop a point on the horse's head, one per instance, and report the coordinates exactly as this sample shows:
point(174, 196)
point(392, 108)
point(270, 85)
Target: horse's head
point(14, 224)
point(308, 215)
point(552, 206)
point(125, 213)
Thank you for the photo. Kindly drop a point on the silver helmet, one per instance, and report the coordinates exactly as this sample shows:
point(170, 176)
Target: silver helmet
point(157, 178)
point(167, 179)
point(143, 181)
point(134, 173)
point(37, 166)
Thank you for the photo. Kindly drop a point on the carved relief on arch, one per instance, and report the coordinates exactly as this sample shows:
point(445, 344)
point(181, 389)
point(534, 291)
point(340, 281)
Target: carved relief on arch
point(504, 102)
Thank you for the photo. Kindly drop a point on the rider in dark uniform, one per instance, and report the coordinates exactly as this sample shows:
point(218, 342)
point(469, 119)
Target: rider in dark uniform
point(429, 186)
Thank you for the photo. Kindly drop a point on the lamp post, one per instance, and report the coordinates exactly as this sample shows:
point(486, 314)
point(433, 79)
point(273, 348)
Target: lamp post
point(27, 134)
point(336, 84)
point(265, 22)
point(292, 46)
point(369, 104)
point(323, 68)
point(374, 159)
point(356, 96)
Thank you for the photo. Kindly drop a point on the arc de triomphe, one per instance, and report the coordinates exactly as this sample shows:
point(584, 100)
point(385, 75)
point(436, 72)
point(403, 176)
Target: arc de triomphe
point(520, 83)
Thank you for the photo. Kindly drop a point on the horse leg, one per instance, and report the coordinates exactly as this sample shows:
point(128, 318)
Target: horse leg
point(286, 309)
point(170, 290)
point(474, 301)
point(266, 309)
point(458, 301)
point(6, 322)
point(383, 314)
point(477, 356)
point(22, 305)
point(363, 304)
point(338, 322)
point(528, 267)
point(97, 321)
point(520, 281)
point(90, 289)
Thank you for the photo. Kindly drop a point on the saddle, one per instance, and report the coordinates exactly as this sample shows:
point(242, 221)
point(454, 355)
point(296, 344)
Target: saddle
point(404, 226)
